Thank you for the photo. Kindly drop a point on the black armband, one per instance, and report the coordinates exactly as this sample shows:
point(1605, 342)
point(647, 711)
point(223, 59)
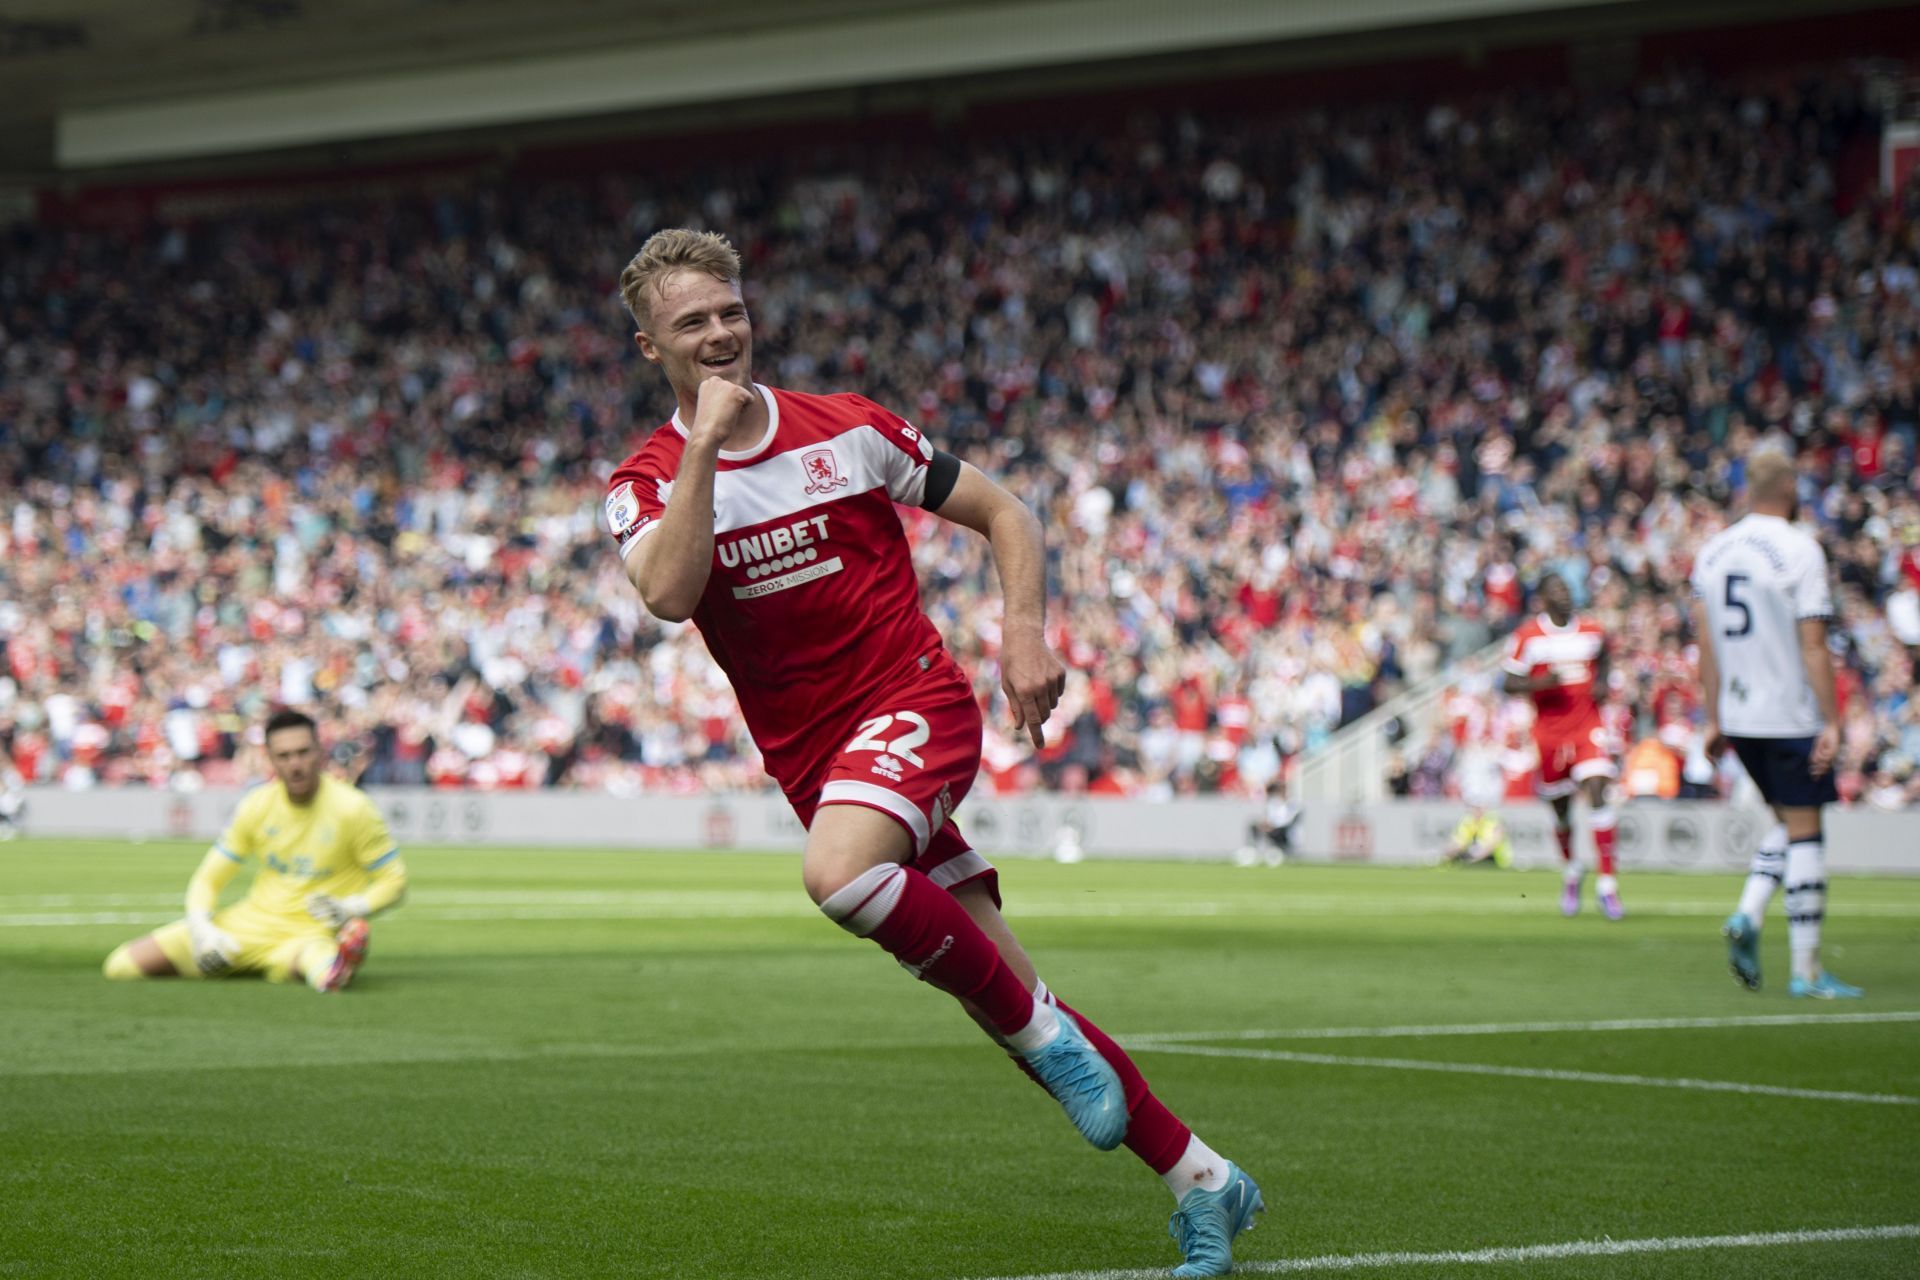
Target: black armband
point(942, 474)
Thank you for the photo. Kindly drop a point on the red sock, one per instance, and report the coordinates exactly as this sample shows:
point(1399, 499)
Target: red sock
point(1603, 824)
point(1154, 1133)
point(1564, 835)
point(923, 927)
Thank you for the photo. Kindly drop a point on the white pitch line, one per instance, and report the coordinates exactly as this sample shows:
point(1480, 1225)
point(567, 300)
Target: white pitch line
point(1154, 1038)
point(17, 911)
point(1537, 1073)
point(68, 918)
point(1516, 1253)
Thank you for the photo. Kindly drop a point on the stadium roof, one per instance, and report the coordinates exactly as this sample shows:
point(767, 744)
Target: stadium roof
point(94, 84)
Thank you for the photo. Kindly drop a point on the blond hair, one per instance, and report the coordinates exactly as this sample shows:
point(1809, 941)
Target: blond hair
point(665, 252)
point(1770, 476)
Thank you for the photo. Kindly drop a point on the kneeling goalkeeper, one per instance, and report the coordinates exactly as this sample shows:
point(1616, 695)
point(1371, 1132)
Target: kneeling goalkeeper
point(326, 864)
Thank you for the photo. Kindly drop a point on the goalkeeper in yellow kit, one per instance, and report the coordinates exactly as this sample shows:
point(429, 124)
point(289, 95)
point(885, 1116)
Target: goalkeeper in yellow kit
point(326, 864)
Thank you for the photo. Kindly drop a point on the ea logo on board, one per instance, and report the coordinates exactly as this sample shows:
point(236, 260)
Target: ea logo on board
point(1739, 834)
point(1684, 841)
point(1353, 837)
point(719, 827)
point(1630, 836)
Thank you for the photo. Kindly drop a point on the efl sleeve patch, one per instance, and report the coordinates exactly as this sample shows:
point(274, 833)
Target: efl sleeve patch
point(623, 509)
point(633, 509)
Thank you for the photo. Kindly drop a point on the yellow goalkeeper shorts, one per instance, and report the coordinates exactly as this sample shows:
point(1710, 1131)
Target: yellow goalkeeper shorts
point(269, 944)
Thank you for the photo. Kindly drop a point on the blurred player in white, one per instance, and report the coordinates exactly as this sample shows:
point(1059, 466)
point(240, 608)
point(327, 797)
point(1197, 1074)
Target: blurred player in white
point(1271, 838)
point(1560, 661)
point(767, 518)
point(1761, 607)
point(326, 864)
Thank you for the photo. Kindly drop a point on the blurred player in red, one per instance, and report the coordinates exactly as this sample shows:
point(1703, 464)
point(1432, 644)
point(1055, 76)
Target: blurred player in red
point(1560, 661)
point(768, 518)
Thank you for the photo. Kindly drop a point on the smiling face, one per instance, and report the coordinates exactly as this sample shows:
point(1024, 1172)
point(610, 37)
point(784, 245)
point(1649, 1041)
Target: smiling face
point(697, 328)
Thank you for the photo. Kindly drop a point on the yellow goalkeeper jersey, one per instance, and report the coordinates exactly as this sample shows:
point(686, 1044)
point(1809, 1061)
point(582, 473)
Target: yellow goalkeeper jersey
point(337, 844)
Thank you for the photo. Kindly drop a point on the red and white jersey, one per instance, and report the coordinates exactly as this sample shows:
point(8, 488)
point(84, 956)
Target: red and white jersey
point(812, 605)
point(1568, 709)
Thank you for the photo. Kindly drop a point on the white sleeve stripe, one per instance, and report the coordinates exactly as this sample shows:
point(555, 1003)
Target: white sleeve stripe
point(634, 539)
point(913, 491)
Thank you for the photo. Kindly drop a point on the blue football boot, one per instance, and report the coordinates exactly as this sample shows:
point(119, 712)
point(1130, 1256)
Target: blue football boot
point(1073, 1071)
point(1743, 950)
point(1207, 1221)
point(1824, 987)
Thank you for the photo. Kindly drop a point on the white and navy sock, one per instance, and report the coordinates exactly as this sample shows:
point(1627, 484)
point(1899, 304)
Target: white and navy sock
point(1765, 874)
point(1806, 904)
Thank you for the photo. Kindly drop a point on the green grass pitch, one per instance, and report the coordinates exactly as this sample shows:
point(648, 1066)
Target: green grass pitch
point(565, 1063)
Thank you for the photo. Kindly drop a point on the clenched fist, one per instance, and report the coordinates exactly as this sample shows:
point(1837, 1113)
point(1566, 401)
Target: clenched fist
point(719, 407)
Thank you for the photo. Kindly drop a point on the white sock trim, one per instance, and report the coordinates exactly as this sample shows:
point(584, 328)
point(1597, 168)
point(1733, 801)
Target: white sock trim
point(1755, 894)
point(1041, 1030)
point(1603, 818)
point(869, 898)
point(1199, 1166)
point(1806, 896)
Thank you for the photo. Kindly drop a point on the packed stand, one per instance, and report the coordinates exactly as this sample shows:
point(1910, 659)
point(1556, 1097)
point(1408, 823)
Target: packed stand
point(1306, 404)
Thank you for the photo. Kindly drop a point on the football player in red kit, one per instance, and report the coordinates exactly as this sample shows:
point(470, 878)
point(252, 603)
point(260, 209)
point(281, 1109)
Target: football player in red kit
point(1560, 661)
point(767, 518)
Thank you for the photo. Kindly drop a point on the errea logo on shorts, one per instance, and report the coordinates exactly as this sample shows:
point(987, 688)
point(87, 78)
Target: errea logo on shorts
point(779, 558)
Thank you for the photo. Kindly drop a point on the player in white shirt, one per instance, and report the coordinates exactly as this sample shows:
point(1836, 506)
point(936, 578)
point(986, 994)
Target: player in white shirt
point(1761, 607)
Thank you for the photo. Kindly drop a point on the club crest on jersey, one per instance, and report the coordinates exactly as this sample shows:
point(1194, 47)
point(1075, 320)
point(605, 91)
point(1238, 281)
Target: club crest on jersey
point(823, 472)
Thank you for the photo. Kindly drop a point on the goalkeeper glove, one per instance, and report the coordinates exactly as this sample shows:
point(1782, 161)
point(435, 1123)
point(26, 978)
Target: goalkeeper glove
point(214, 949)
point(334, 912)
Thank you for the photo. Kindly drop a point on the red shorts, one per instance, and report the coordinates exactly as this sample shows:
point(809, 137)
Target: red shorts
point(1566, 762)
point(913, 756)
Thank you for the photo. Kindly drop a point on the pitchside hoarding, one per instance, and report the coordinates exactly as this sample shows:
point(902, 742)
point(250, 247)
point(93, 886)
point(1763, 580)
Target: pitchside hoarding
point(1677, 836)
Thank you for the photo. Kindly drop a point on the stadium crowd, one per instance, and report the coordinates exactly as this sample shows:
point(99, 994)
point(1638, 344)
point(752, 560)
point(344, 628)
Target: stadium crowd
point(1306, 404)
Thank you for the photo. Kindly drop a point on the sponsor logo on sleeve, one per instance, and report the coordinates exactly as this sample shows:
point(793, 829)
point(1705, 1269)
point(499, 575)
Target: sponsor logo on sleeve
point(623, 509)
point(920, 442)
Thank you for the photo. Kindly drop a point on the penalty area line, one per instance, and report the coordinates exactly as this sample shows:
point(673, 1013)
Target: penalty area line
point(1515, 1253)
point(1536, 1073)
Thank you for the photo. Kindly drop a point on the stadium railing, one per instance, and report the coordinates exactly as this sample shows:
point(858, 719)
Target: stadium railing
point(1352, 767)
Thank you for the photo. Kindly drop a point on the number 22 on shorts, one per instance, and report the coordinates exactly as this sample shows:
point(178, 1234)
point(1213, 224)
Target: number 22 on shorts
point(869, 739)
